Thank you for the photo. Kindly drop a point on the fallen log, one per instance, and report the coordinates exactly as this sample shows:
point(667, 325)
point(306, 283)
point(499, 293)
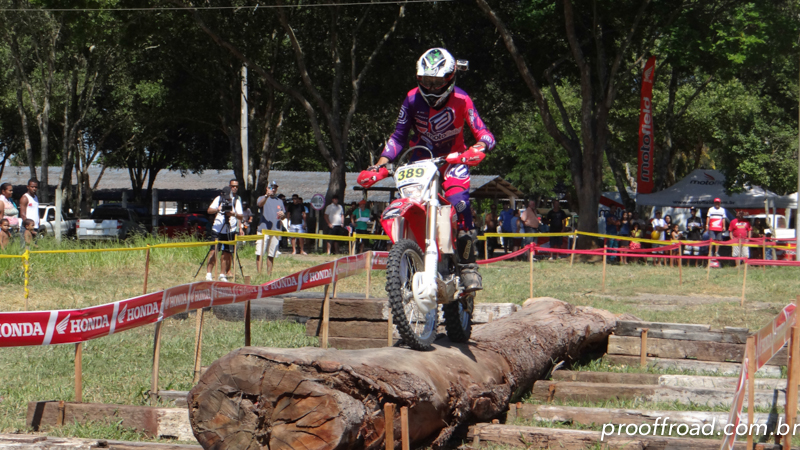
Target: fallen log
point(311, 398)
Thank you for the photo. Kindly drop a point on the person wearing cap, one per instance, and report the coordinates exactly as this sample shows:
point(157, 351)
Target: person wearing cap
point(694, 230)
point(272, 212)
point(227, 208)
point(717, 222)
point(297, 220)
point(360, 221)
point(740, 230)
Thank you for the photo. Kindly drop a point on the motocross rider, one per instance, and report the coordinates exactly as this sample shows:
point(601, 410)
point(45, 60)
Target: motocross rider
point(436, 110)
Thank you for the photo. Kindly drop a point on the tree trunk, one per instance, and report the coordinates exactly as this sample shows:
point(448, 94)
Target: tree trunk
point(330, 399)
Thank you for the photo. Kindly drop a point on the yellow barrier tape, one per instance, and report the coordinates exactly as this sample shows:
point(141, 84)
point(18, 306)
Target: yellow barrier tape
point(378, 237)
point(89, 250)
point(11, 256)
point(518, 235)
point(326, 237)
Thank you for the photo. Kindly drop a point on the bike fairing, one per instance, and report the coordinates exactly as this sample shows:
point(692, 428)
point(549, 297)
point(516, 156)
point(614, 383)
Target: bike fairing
point(441, 131)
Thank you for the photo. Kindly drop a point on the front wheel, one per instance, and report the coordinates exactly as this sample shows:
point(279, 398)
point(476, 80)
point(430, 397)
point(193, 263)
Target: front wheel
point(416, 330)
point(458, 319)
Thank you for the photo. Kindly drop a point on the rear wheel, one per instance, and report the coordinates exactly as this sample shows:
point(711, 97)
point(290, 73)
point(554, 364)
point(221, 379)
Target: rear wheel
point(458, 319)
point(417, 331)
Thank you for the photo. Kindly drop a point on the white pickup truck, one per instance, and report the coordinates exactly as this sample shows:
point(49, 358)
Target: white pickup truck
point(110, 222)
point(47, 221)
point(775, 221)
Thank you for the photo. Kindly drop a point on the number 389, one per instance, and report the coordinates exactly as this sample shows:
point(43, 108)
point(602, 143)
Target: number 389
point(410, 173)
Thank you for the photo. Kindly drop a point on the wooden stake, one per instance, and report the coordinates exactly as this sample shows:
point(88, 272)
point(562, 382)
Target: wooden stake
point(79, 372)
point(530, 258)
point(198, 344)
point(574, 243)
point(247, 317)
point(326, 307)
point(217, 260)
point(710, 256)
point(156, 357)
point(680, 264)
point(764, 254)
point(751, 384)
point(643, 353)
point(369, 273)
point(744, 282)
point(486, 249)
point(604, 266)
point(62, 412)
point(235, 254)
point(791, 386)
point(404, 428)
point(390, 341)
point(146, 269)
point(388, 417)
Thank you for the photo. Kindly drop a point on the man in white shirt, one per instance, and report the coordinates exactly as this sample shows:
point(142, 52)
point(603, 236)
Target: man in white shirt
point(228, 209)
point(659, 225)
point(717, 222)
point(29, 205)
point(334, 217)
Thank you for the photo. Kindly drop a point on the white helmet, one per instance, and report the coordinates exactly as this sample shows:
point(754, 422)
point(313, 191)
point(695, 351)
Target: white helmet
point(436, 76)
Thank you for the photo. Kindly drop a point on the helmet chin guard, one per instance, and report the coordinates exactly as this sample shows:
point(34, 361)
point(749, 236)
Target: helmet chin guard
point(436, 76)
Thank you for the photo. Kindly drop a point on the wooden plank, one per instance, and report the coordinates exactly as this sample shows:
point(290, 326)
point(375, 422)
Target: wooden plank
point(668, 348)
point(664, 380)
point(179, 397)
point(546, 390)
point(724, 368)
point(45, 414)
point(683, 331)
point(563, 439)
point(356, 343)
point(340, 308)
point(364, 329)
point(599, 416)
point(38, 442)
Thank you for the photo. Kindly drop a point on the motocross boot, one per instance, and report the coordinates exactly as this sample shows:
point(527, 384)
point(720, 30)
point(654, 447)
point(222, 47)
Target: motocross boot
point(466, 246)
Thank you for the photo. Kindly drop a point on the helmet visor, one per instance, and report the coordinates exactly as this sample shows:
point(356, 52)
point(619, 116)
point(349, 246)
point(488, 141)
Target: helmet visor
point(435, 85)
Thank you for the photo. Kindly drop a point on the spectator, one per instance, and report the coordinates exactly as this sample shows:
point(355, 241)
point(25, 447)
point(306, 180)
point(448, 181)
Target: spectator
point(505, 219)
point(659, 227)
point(769, 241)
point(360, 220)
point(612, 229)
point(555, 221)
point(29, 204)
point(479, 220)
point(8, 209)
point(694, 232)
point(740, 231)
point(297, 220)
point(516, 227)
point(272, 213)
point(247, 221)
point(530, 221)
point(5, 233)
point(636, 233)
point(624, 230)
point(334, 218)
point(717, 222)
point(29, 235)
point(491, 227)
point(674, 235)
point(348, 218)
point(227, 208)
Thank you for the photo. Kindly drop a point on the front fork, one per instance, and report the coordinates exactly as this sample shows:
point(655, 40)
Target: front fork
point(425, 284)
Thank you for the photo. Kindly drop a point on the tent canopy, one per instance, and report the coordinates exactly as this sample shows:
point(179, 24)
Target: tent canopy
point(702, 186)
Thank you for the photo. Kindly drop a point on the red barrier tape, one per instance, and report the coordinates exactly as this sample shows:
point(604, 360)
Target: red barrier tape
point(507, 256)
point(18, 329)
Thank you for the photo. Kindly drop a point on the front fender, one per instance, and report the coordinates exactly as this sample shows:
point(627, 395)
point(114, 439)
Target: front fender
point(412, 225)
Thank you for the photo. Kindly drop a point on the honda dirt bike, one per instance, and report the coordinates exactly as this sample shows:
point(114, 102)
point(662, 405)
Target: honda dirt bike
point(418, 281)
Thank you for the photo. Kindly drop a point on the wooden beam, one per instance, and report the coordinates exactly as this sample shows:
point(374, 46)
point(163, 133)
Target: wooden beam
point(721, 368)
point(668, 348)
point(664, 380)
point(547, 390)
point(682, 331)
point(36, 441)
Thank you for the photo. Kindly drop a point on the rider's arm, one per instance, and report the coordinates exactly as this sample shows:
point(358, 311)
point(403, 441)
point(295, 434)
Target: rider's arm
point(396, 142)
point(479, 130)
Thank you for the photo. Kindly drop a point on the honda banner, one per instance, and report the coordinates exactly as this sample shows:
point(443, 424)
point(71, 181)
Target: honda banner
point(644, 184)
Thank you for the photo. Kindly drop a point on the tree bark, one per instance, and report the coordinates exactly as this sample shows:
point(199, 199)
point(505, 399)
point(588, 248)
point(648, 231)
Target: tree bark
point(331, 399)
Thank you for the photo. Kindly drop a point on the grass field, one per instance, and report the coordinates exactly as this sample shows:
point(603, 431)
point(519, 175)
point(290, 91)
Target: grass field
point(117, 369)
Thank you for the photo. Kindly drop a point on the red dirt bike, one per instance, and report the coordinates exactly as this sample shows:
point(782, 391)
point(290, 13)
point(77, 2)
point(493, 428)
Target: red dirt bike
point(418, 282)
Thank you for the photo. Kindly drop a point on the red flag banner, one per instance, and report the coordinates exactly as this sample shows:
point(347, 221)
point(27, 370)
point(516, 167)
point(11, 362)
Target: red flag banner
point(644, 184)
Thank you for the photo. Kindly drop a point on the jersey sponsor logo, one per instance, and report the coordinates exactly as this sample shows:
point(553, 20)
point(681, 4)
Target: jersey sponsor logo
point(442, 136)
point(442, 120)
point(403, 116)
point(474, 120)
point(458, 171)
point(88, 324)
point(138, 312)
point(8, 330)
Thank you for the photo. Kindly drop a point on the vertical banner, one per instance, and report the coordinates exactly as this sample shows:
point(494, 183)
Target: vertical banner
point(644, 184)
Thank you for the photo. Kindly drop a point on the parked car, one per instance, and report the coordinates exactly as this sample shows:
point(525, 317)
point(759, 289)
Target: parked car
point(47, 221)
point(182, 225)
point(777, 222)
point(110, 222)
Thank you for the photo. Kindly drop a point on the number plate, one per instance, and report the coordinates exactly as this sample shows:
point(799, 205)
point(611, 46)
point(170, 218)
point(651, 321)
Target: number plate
point(414, 174)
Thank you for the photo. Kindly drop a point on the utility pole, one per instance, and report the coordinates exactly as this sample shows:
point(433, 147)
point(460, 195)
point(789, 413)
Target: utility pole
point(243, 136)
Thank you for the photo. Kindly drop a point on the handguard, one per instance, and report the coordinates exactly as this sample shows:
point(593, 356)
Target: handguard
point(472, 157)
point(367, 178)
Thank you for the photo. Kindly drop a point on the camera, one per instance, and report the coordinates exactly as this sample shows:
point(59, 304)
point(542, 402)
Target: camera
point(225, 205)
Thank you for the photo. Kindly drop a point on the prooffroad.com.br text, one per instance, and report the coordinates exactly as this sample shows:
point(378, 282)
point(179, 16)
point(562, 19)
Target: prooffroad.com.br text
point(663, 427)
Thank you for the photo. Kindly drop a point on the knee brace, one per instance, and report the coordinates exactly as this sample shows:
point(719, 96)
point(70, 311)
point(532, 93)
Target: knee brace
point(465, 246)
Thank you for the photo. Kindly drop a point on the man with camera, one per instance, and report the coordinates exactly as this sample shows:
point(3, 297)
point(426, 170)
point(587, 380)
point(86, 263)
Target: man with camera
point(228, 209)
point(272, 213)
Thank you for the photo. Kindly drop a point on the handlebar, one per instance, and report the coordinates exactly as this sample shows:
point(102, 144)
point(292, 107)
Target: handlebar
point(438, 161)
